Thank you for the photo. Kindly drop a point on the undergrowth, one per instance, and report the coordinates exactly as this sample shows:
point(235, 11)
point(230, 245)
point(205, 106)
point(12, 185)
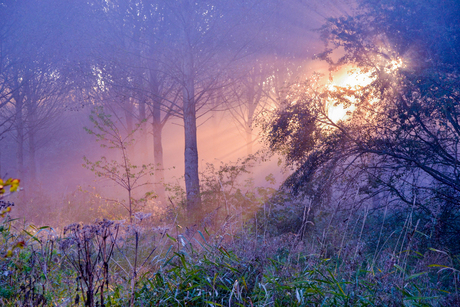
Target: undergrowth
point(110, 263)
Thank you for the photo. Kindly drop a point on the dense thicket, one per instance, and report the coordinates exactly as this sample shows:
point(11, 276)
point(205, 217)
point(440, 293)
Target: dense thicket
point(401, 136)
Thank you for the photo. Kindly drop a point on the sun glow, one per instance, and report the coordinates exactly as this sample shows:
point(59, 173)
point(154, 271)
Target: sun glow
point(337, 113)
point(394, 65)
point(350, 79)
point(353, 79)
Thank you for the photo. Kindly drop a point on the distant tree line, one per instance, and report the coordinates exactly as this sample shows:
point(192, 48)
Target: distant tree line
point(146, 61)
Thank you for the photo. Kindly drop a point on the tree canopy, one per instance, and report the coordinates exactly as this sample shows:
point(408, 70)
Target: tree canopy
point(401, 132)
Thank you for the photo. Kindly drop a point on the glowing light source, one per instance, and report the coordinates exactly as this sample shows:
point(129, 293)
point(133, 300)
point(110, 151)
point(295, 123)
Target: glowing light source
point(353, 79)
point(336, 113)
point(394, 65)
point(350, 79)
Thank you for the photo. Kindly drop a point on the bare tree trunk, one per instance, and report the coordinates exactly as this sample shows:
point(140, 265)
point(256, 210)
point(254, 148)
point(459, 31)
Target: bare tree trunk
point(192, 181)
point(157, 130)
point(158, 152)
point(143, 131)
point(142, 115)
point(129, 108)
point(143, 84)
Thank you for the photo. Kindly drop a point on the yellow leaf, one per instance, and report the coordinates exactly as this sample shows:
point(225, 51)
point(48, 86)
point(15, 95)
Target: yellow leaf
point(20, 244)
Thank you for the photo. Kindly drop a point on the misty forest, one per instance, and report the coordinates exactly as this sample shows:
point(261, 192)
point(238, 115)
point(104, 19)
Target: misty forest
point(229, 153)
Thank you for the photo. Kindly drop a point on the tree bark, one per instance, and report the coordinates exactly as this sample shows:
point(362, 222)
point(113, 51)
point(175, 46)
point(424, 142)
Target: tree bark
point(157, 130)
point(129, 109)
point(141, 98)
point(143, 131)
point(192, 181)
point(158, 151)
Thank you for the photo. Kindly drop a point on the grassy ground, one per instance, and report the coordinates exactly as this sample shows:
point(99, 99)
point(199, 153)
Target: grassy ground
point(118, 264)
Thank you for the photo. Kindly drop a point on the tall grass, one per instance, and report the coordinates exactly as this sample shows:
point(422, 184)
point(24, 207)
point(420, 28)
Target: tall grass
point(354, 259)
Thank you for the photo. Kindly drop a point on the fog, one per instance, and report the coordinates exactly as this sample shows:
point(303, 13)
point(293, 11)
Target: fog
point(173, 66)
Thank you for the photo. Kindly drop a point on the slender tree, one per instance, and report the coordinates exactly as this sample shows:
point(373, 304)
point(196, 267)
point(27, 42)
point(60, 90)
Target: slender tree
point(207, 39)
point(134, 74)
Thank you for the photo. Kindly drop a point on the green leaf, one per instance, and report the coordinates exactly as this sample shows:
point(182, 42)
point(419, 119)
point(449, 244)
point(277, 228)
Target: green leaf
point(439, 266)
point(416, 275)
point(173, 239)
point(32, 236)
point(399, 268)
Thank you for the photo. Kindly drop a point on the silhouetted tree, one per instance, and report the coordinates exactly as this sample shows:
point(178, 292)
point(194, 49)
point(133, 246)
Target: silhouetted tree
point(402, 131)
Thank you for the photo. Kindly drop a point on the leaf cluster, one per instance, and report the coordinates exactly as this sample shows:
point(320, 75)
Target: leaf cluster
point(402, 132)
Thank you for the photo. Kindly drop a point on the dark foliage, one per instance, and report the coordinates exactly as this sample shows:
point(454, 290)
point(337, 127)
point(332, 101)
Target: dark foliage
point(402, 133)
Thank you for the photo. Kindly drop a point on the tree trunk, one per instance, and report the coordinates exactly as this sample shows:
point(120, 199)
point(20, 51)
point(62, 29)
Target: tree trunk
point(143, 131)
point(157, 129)
point(129, 108)
point(143, 84)
point(192, 181)
point(158, 152)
